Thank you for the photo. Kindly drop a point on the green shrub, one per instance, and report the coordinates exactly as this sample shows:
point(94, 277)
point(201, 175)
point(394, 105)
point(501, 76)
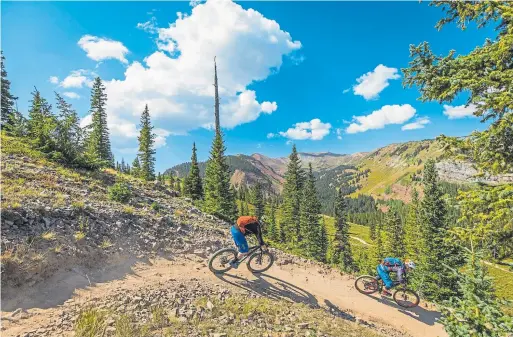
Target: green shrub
point(120, 192)
point(156, 206)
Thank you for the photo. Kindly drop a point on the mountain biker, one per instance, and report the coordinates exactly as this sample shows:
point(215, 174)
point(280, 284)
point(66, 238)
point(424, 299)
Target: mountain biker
point(393, 264)
point(244, 226)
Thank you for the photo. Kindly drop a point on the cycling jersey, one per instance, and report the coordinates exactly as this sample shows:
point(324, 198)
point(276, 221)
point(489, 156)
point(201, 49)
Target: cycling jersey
point(391, 264)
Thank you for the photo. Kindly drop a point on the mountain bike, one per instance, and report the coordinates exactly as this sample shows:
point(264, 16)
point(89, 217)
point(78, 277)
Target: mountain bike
point(403, 296)
point(258, 260)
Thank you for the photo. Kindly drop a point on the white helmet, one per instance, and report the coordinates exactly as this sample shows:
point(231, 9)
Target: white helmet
point(409, 263)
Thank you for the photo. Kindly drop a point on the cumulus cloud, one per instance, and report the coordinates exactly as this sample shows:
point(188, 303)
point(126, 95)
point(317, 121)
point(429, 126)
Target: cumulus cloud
point(372, 83)
point(388, 114)
point(460, 111)
point(176, 80)
point(99, 49)
point(420, 123)
point(314, 130)
point(271, 135)
point(53, 79)
point(78, 79)
point(70, 94)
point(339, 133)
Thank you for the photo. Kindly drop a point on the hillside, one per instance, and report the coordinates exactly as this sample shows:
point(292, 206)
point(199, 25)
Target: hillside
point(390, 172)
point(76, 263)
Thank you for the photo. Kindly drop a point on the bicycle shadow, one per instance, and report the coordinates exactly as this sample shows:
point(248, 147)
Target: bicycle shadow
point(419, 313)
point(271, 287)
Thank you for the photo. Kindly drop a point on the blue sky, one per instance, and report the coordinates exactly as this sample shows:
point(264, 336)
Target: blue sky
point(288, 71)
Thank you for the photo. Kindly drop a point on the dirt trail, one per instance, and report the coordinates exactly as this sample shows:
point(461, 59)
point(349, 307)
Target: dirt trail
point(306, 284)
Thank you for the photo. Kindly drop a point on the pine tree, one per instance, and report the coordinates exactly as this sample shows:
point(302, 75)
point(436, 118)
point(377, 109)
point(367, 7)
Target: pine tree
point(394, 235)
point(273, 231)
point(42, 123)
point(7, 103)
point(258, 200)
point(69, 134)
point(146, 147)
point(292, 193)
point(136, 167)
point(413, 241)
point(323, 241)
point(378, 251)
point(310, 218)
point(193, 183)
point(478, 311)
point(219, 199)
point(98, 149)
point(341, 247)
point(440, 285)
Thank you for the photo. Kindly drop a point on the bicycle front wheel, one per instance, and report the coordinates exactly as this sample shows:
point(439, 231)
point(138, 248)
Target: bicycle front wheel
point(366, 284)
point(219, 262)
point(406, 298)
point(260, 262)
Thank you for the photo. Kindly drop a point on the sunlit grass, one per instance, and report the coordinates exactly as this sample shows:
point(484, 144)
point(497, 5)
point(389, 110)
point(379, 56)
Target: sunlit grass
point(49, 236)
point(79, 235)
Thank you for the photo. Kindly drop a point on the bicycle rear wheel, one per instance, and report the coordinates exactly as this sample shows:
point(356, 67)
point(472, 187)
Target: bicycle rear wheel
point(366, 284)
point(260, 262)
point(218, 263)
point(406, 298)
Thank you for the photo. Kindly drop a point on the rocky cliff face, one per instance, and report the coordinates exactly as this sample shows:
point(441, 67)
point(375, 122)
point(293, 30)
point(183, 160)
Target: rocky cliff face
point(458, 171)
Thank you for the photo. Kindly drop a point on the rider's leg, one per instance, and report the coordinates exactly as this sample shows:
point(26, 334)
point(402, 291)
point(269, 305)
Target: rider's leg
point(241, 243)
point(383, 274)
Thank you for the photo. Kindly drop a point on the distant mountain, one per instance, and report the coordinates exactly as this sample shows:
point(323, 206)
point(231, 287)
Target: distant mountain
point(390, 172)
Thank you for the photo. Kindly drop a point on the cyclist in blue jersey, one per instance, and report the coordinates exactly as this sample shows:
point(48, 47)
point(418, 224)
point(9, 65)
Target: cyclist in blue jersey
point(393, 264)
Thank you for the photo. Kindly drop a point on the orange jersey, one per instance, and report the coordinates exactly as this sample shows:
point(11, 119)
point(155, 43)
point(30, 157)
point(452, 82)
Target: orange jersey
point(242, 221)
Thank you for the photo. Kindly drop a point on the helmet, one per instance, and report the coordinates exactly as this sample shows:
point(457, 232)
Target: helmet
point(409, 263)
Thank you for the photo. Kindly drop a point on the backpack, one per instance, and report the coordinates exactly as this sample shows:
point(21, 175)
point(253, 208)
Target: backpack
point(243, 221)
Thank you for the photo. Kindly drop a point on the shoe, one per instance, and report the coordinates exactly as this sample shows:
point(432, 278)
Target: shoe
point(234, 264)
point(386, 293)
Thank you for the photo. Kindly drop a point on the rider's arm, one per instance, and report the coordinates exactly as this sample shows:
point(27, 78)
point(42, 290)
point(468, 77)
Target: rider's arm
point(400, 272)
point(256, 229)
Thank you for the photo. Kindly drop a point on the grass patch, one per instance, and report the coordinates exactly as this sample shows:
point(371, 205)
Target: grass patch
point(106, 244)
point(48, 236)
point(130, 210)
point(78, 205)
point(91, 323)
point(79, 235)
point(156, 206)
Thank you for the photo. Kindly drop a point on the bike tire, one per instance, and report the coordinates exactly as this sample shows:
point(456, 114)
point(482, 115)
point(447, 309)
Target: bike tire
point(256, 255)
point(369, 279)
point(218, 255)
point(411, 295)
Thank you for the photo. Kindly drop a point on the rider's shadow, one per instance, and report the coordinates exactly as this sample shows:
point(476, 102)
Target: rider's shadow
point(278, 289)
point(420, 314)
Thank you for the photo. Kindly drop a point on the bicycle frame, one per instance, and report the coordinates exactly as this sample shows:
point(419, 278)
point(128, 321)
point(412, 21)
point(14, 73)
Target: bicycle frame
point(251, 251)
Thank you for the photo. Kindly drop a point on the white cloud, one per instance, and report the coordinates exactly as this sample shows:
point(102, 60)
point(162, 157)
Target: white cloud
point(176, 81)
point(314, 130)
point(339, 133)
point(420, 123)
point(271, 135)
point(70, 94)
point(53, 79)
point(149, 26)
point(372, 83)
point(388, 114)
point(460, 111)
point(78, 79)
point(99, 49)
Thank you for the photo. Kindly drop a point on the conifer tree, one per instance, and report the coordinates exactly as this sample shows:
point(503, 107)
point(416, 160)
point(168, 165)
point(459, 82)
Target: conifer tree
point(7, 102)
point(412, 238)
point(258, 200)
point(273, 228)
point(42, 123)
point(193, 183)
point(146, 147)
point(341, 247)
point(440, 285)
point(69, 134)
point(323, 241)
point(310, 218)
point(292, 193)
point(478, 311)
point(219, 198)
point(394, 235)
point(378, 251)
point(98, 149)
point(136, 167)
